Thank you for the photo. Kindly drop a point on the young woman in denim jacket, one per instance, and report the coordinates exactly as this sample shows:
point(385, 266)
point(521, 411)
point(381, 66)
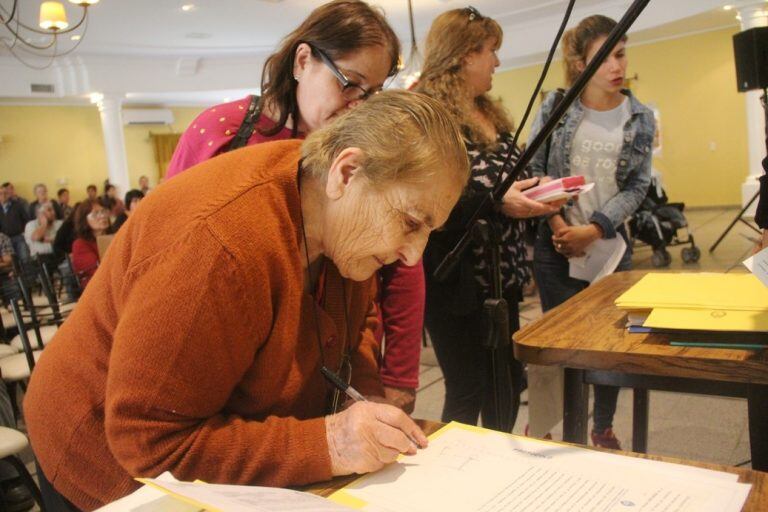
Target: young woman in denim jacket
point(607, 136)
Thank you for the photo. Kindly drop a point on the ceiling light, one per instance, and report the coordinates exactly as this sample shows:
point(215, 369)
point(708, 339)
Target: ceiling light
point(28, 50)
point(188, 7)
point(727, 7)
point(409, 70)
point(52, 16)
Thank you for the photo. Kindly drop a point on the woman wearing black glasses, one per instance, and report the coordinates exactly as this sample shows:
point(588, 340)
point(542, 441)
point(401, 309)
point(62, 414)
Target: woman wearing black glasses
point(338, 57)
point(458, 70)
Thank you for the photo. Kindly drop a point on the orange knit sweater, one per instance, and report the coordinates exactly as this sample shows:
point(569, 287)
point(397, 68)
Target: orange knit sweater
point(194, 347)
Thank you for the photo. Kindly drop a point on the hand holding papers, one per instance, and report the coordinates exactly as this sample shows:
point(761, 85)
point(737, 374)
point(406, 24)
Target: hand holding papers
point(601, 259)
point(555, 190)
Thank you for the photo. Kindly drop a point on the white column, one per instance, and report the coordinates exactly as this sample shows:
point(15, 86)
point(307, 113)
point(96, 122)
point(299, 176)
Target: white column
point(110, 111)
point(753, 14)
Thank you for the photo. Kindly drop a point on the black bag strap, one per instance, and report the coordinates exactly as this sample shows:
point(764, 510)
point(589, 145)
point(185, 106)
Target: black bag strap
point(559, 95)
point(246, 128)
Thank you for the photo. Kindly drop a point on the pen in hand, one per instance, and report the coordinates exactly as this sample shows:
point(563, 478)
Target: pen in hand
point(353, 394)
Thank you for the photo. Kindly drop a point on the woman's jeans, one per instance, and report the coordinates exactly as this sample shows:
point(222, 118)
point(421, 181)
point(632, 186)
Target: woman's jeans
point(550, 268)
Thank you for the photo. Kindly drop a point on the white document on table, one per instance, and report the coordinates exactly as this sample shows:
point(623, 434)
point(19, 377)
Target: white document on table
point(244, 498)
point(474, 470)
point(601, 259)
point(758, 265)
point(166, 494)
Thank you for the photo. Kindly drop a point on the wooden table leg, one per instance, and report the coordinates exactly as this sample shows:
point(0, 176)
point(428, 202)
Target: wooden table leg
point(757, 400)
point(640, 404)
point(575, 407)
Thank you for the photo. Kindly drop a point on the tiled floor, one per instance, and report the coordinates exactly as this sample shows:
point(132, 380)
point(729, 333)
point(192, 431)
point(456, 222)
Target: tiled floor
point(686, 426)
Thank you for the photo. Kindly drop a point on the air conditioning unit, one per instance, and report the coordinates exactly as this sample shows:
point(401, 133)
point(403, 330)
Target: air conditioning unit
point(132, 116)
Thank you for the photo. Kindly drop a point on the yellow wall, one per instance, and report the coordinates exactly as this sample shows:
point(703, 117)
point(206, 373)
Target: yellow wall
point(62, 146)
point(692, 81)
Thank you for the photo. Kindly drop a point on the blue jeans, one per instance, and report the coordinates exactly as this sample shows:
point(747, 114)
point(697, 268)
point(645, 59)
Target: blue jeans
point(550, 268)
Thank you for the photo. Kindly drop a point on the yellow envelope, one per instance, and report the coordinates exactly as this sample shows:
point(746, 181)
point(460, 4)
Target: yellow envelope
point(730, 292)
point(708, 320)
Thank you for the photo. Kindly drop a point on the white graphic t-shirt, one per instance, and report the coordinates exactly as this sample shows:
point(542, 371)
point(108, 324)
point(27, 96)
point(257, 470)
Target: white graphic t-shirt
point(595, 154)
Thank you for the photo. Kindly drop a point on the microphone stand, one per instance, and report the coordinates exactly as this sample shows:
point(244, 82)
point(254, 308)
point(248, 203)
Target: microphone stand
point(495, 308)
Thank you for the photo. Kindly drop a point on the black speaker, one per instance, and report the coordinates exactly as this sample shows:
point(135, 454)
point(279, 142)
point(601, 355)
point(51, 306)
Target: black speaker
point(750, 49)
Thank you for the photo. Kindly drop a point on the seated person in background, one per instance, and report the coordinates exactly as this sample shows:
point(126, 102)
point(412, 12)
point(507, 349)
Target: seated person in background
point(13, 220)
point(41, 231)
point(143, 187)
point(65, 236)
point(110, 200)
point(6, 252)
point(198, 346)
point(13, 196)
point(93, 192)
point(41, 197)
point(132, 199)
point(64, 206)
point(91, 220)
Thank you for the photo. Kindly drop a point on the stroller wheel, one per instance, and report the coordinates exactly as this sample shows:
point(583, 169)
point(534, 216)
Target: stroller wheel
point(691, 254)
point(661, 258)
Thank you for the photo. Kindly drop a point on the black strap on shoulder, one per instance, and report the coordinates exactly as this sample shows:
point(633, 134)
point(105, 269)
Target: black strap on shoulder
point(559, 95)
point(246, 128)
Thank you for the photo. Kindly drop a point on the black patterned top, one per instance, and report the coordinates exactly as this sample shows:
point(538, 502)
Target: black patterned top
point(486, 166)
point(467, 286)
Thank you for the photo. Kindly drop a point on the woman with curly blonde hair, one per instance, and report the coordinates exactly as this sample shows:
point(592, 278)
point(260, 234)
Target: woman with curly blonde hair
point(460, 60)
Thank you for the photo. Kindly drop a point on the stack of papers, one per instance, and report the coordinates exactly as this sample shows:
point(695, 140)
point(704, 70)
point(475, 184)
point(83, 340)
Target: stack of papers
point(562, 188)
point(729, 304)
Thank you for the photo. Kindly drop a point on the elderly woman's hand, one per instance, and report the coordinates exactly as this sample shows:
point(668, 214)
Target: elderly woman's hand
point(515, 204)
point(367, 436)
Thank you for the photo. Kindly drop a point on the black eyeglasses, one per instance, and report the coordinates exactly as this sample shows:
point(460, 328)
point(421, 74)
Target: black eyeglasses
point(473, 13)
point(350, 91)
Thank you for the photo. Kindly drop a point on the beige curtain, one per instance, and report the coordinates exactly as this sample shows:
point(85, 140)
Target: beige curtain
point(164, 144)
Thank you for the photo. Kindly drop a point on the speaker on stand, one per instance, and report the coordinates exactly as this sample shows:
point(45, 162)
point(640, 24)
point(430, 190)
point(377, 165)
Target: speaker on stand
point(750, 51)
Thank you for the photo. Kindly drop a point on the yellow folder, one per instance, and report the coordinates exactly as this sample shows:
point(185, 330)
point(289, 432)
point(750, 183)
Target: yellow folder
point(708, 291)
point(708, 320)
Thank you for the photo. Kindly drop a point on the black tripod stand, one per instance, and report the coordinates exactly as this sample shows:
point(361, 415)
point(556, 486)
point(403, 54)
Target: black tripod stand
point(740, 215)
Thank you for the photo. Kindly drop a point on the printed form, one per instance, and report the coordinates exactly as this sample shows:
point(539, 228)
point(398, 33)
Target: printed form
point(473, 469)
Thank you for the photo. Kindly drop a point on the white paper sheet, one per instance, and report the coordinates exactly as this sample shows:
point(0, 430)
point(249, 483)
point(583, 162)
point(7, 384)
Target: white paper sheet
point(758, 265)
point(468, 470)
point(602, 258)
point(149, 499)
point(242, 498)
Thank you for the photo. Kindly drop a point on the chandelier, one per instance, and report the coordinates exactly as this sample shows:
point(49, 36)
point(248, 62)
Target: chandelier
point(29, 43)
point(410, 70)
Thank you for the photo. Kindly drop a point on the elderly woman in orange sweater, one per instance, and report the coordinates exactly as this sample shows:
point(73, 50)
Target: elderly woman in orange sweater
point(197, 346)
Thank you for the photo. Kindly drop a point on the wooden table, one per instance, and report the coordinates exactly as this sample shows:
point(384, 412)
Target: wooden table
point(587, 336)
point(756, 502)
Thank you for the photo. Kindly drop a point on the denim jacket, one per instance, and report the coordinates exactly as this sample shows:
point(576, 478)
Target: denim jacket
point(633, 172)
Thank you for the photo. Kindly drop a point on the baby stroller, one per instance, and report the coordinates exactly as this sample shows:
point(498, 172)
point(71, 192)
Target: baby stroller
point(656, 223)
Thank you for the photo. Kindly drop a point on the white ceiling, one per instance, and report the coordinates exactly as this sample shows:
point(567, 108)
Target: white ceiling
point(143, 47)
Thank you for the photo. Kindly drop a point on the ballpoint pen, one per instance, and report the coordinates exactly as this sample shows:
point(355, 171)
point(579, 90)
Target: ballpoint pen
point(352, 393)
